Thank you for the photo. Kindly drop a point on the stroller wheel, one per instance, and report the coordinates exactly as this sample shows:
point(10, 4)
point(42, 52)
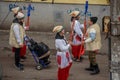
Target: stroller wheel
point(39, 67)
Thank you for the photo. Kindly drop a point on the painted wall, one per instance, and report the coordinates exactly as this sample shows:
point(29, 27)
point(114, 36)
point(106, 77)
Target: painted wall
point(101, 2)
point(45, 16)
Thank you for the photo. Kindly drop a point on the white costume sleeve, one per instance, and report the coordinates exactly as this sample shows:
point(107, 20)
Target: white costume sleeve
point(60, 44)
point(92, 35)
point(81, 25)
point(77, 28)
point(17, 33)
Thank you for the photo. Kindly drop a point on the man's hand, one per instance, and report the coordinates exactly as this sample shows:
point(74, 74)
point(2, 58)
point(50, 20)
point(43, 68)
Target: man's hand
point(86, 34)
point(21, 45)
point(70, 42)
point(83, 42)
point(26, 27)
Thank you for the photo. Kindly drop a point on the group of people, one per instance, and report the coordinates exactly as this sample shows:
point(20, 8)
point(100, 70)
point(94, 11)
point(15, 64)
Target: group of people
point(91, 39)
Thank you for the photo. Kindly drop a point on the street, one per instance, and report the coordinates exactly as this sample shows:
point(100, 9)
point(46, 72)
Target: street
point(77, 71)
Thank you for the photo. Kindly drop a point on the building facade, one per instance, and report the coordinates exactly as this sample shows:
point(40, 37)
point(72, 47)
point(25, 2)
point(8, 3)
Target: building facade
point(44, 16)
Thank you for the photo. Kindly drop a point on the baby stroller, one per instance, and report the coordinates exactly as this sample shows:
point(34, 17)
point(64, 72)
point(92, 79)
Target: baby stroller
point(40, 52)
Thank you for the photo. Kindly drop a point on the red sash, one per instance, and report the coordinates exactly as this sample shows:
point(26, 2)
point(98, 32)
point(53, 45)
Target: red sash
point(78, 38)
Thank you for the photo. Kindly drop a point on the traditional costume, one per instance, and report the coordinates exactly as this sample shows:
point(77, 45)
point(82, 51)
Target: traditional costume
point(93, 44)
point(15, 10)
point(77, 35)
point(63, 56)
point(17, 34)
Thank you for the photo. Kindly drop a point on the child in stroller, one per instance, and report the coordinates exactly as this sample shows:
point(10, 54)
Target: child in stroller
point(40, 52)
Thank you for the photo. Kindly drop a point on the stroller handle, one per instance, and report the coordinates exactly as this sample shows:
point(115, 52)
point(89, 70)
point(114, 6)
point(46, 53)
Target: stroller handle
point(30, 42)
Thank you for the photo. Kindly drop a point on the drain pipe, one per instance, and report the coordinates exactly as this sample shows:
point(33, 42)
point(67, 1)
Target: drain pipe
point(109, 39)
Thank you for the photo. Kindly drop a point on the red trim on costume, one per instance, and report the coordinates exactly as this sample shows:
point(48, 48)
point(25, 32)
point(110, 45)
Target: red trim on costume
point(78, 38)
point(67, 56)
point(82, 51)
point(22, 50)
point(63, 74)
point(59, 60)
point(77, 50)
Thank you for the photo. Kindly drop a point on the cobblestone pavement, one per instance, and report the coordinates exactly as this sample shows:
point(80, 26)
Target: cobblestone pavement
point(30, 73)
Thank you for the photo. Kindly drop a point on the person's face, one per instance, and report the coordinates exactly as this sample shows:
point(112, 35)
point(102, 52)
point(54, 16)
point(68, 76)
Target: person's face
point(62, 32)
point(78, 17)
point(22, 20)
point(89, 22)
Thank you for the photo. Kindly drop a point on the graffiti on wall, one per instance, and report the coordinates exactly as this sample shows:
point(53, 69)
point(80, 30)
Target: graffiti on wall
point(23, 7)
point(58, 16)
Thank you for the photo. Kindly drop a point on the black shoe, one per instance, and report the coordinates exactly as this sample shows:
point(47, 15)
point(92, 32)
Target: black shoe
point(21, 64)
point(96, 70)
point(81, 58)
point(78, 60)
point(19, 67)
point(90, 68)
point(74, 59)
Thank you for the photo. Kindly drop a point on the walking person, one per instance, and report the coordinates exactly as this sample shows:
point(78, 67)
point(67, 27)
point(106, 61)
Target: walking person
point(15, 11)
point(76, 36)
point(93, 44)
point(63, 56)
point(16, 39)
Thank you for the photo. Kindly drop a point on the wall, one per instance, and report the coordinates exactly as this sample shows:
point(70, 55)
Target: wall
point(102, 2)
point(45, 16)
point(115, 40)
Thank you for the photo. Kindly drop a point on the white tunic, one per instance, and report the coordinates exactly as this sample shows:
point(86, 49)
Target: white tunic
point(77, 28)
point(63, 56)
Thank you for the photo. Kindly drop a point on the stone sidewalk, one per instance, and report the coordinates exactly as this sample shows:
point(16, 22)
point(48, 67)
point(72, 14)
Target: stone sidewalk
point(48, 39)
point(30, 73)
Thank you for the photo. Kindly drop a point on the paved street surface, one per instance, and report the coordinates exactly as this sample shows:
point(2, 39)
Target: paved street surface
point(115, 62)
point(30, 73)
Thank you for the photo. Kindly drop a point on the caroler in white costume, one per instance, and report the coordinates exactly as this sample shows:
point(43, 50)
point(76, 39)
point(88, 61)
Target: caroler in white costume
point(63, 56)
point(76, 36)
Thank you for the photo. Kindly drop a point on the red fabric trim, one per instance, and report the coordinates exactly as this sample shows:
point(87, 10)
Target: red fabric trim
point(78, 38)
point(22, 51)
point(77, 50)
point(63, 74)
point(59, 60)
point(82, 50)
point(67, 56)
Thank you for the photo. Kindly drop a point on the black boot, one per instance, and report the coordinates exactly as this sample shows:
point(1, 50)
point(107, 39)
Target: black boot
point(96, 70)
point(74, 59)
point(90, 68)
point(81, 59)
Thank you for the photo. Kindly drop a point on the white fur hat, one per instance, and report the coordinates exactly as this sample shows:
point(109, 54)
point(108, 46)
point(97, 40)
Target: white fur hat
point(15, 10)
point(20, 15)
point(57, 29)
point(74, 13)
